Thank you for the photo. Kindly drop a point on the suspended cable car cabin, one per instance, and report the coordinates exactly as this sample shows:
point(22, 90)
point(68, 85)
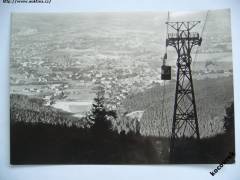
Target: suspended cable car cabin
point(165, 70)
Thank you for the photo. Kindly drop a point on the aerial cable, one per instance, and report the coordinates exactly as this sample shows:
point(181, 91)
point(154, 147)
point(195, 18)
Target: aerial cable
point(164, 119)
point(165, 55)
point(201, 35)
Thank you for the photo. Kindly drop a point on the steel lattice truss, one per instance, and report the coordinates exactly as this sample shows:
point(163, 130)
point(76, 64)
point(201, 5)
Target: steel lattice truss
point(185, 121)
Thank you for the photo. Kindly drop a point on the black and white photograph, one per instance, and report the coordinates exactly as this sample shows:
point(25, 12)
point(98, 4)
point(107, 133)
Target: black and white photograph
point(137, 87)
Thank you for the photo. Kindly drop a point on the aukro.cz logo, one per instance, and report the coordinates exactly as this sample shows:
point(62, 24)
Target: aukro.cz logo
point(27, 1)
point(225, 161)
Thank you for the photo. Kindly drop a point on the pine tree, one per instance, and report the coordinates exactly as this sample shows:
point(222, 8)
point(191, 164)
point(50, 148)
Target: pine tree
point(100, 116)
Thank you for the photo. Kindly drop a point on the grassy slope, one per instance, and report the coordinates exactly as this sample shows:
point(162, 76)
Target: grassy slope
point(47, 144)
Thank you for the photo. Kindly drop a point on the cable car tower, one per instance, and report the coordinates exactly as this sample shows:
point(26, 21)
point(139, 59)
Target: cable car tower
point(185, 120)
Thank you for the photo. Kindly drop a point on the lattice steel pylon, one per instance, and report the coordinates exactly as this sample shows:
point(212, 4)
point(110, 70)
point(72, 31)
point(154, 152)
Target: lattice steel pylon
point(185, 121)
